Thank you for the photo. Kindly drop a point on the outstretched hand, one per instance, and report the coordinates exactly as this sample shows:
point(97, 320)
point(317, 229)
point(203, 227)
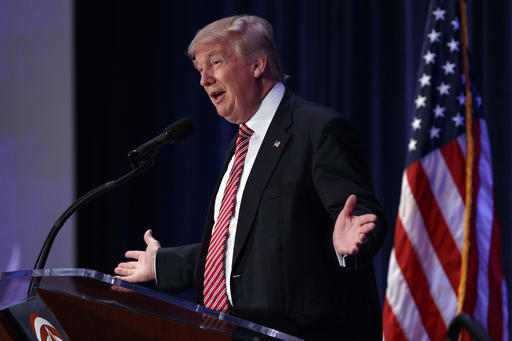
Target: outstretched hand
point(349, 230)
point(143, 267)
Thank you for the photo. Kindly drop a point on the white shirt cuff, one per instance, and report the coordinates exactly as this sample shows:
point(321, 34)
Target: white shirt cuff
point(341, 258)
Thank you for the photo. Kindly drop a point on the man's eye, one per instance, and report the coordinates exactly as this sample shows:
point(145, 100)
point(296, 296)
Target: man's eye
point(217, 62)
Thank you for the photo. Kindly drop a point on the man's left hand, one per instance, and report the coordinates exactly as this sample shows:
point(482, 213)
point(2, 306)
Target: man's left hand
point(350, 231)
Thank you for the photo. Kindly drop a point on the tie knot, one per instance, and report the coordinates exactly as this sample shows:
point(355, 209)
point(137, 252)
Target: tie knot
point(244, 132)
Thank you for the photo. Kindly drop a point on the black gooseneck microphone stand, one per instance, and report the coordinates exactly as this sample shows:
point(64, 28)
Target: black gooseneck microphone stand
point(83, 200)
point(141, 159)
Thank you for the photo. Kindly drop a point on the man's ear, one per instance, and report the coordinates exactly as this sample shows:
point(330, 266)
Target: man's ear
point(259, 65)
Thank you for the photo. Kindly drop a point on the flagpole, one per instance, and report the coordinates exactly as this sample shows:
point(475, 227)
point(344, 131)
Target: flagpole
point(468, 210)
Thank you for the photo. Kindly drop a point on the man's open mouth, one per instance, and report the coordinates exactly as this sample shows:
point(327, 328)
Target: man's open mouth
point(217, 95)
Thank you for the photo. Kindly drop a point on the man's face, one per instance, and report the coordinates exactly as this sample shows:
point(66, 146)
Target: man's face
point(228, 80)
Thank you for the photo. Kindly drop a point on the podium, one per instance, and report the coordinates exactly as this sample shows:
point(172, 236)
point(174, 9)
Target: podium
point(82, 304)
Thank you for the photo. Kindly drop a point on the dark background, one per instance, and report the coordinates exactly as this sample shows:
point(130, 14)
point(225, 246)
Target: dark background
point(359, 57)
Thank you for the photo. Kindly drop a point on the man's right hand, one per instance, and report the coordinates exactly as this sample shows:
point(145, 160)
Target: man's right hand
point(143, 267)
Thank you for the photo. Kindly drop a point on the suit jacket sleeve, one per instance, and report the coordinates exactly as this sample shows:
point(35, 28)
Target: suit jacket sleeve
point(338, 171)
point(175, 267)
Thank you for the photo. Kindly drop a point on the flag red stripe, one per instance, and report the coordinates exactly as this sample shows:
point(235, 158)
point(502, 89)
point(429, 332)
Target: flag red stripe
point(446, 193)
point(417, 282)
point(391, 328)
point(436, 227)
point(454, 158)
point(495, 313)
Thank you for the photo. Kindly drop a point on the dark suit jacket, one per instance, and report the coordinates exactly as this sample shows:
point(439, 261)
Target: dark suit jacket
point(285, 272)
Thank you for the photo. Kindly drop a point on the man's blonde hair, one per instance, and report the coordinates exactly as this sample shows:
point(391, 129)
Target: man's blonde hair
point(250, 36)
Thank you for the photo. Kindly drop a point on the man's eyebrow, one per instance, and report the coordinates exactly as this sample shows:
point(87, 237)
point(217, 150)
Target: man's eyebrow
point(221, 51)
point(212, 53)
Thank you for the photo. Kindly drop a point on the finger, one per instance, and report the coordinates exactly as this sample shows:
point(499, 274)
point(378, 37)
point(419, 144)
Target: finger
point(130, 278)
point(123, 272)
point(126, 278)
point(350, 204)
point(366, 218)
point(148, 237)
point(133, 254)
point(367, 227)
point(127, 265)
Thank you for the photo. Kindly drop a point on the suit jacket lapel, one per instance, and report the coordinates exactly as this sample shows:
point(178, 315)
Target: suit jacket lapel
point(268, 156)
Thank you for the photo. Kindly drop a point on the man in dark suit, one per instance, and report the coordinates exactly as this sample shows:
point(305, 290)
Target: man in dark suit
point(293, 223)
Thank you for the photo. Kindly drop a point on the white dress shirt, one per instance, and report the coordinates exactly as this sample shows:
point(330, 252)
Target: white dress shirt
point(259, 123)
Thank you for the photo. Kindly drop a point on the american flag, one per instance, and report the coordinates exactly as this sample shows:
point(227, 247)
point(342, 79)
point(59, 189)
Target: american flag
point(428, 271)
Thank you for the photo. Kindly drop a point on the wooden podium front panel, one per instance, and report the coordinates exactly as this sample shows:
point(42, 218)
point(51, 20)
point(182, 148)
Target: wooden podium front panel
point(84, 319)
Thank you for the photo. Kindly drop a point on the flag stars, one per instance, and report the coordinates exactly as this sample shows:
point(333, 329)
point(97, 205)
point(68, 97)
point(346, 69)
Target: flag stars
point(453, 45)
point(416, 124)
point(420, 101)
point(412, 144)
point(434, 132)
point(455, 23)
point(439, 13)
point(429, 57)
point(461, 98)
point(439, 111)
point(448, 68)
point(443, 89)
point(458, 120)
point(434, 36)
point(478, 101)
point(425, 80)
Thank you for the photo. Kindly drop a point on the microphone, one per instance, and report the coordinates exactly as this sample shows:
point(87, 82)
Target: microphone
point(173, 133)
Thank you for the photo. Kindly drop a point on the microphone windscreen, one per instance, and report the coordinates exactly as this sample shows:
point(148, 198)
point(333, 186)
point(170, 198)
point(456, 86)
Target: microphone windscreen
point(181, 129)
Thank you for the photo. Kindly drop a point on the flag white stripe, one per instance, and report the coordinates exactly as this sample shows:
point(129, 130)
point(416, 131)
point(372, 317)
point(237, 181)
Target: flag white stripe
point(447, 194)
point(402, 303)
point(442, 292)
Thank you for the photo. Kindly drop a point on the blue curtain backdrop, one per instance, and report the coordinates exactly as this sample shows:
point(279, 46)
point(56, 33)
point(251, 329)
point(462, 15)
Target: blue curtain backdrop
point(358, 57)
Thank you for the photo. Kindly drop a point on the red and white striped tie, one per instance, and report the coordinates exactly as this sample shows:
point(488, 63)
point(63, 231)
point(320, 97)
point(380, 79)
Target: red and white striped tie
point(215, 295)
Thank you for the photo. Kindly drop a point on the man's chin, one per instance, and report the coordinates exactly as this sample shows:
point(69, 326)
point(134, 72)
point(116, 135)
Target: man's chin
point(227, 117)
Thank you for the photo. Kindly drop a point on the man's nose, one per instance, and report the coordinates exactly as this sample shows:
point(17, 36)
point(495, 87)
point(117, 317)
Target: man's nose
point(206, 78)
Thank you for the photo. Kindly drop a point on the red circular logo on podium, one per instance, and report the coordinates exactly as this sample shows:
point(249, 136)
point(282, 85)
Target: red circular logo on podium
point(44, 330)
